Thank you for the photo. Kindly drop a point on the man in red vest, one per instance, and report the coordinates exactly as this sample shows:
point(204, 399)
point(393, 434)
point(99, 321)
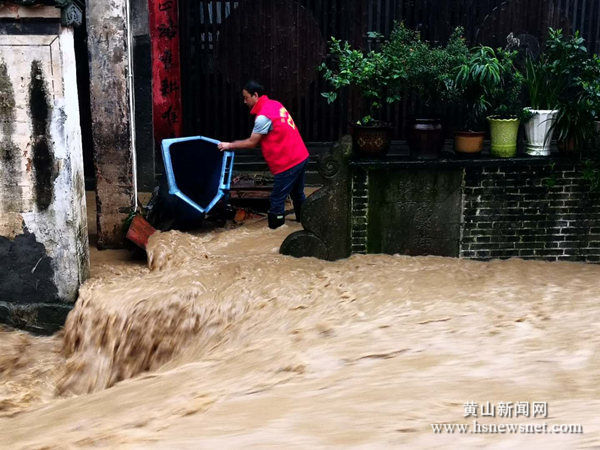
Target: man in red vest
point(282, 147)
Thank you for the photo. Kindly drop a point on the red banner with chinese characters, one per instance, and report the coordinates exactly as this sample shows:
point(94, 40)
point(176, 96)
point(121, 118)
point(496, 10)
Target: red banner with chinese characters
point(166, 75)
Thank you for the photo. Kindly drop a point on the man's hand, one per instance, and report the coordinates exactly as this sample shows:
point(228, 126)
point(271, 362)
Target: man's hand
point(251, 142)
point(224, 146)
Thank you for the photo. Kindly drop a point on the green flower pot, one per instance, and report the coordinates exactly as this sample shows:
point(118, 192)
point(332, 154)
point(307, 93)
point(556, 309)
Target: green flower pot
point(503, 134)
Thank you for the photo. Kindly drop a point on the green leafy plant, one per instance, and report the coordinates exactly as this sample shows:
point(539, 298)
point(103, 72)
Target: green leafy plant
point(591, 86)
point(506, 98)
point(489, 84)
point(542, 87)
point(477, 77)
point(422, 68)
point(551, 180)
point(577, 75)
point(404, 64)
point(368, 72)
point(545, 77)
point(574, 126)
point(591, 173)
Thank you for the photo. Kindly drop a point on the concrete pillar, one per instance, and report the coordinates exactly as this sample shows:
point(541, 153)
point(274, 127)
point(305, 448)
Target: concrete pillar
point(110, 89)
point(43, 229)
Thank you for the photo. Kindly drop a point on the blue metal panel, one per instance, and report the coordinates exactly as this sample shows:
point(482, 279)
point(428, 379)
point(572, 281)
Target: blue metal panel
point(197, 172)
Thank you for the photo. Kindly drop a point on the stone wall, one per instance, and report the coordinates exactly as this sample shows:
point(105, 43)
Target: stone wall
point(359, 210)
point(539, 208)
point(43, 228)
point(414, 211)
point(541, 211)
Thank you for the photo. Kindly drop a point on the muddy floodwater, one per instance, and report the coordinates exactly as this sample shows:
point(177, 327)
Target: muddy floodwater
point(220, 342)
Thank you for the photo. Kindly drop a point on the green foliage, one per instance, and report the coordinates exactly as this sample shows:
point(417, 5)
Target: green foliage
point(551, 181)
point(507, 97)
point(483, 81)
point(576, 78)
point(405, 64)
point(476, 79)
point(422, 68)
point(591, 86)
point(548, 77)
point(591, 173)
point(543, 88)
point(369, 72)
point(489, 83)
point(574, 124)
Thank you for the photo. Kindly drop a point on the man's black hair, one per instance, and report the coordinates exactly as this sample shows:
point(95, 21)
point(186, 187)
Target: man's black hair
point(254, 87)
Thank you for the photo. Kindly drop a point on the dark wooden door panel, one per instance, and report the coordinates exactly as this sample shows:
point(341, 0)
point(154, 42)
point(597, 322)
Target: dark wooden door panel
point(281, 42)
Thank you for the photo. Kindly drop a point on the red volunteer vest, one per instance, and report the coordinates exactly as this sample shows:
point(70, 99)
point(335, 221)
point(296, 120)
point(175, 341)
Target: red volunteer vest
point(282, 147)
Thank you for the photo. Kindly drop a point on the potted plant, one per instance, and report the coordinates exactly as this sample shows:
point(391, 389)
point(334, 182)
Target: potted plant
point(574, 70)
point(591, 87)
point(544, 90)
point(574, 126)
point(506, 108)
point(426, 71)
point(477, 78)
point(369, 73)
point(593, 91)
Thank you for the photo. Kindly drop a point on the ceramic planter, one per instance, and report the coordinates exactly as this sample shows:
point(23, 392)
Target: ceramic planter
point(426, 138)
point(468, 143)
point(538, 131)
point(503, 133)
point(567, 147)
point(371, 141)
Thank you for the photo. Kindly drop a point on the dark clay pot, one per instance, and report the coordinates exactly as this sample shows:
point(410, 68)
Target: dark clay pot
point(372, 140)
point(567, 147)
point(426, 138)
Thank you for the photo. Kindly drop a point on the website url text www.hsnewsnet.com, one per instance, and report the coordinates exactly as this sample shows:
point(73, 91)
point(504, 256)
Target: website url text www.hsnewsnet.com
point(505, 428)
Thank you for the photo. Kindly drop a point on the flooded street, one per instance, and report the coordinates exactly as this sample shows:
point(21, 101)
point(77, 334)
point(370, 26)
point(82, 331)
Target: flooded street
point(220, 342)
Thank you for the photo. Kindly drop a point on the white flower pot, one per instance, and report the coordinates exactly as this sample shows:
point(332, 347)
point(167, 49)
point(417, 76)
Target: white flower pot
point(538, 132)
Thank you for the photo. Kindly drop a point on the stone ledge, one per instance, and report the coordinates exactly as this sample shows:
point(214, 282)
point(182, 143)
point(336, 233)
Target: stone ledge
point(70, 11)
point(451, 160)
point(41, 318)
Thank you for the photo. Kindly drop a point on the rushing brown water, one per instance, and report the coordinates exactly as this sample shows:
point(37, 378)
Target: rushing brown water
point(221, 342)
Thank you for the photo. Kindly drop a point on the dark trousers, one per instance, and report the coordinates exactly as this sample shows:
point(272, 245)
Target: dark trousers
point(290, 182)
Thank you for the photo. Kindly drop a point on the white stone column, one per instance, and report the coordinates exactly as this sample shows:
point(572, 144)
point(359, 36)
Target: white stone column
point(43, 227)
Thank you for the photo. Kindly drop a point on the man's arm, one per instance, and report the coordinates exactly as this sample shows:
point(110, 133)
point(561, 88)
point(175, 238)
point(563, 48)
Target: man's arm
point(251, 142)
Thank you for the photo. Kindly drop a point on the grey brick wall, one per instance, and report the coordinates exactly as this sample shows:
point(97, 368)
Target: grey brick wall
point(359, 211)
point(530, 211)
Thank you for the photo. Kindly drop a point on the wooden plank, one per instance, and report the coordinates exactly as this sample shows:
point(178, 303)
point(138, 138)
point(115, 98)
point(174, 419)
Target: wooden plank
point(209, 78)
point(596, 48)
point(388, 17)
point(377, 16)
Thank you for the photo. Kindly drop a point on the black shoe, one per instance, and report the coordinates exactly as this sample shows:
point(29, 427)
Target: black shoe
point(276, 220)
